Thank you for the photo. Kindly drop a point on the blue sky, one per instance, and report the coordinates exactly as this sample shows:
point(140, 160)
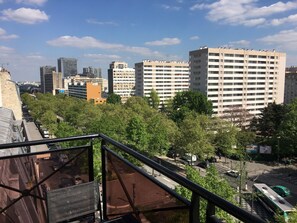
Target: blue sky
point(35, 33)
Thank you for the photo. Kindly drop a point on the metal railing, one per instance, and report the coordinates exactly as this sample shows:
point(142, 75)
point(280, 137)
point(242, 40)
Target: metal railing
point(198, 192)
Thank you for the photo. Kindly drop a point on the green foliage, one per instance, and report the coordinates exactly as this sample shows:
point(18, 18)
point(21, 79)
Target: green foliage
point(113, 99)
point(154, 99)
point(212, 182)
point(187, 101)
point(192, 137)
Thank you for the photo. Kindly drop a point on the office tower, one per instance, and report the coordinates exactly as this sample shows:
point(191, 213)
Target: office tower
point(290, 84)
point(67, 66)
point(121, 80)
point(52, 81)
point(86, 90)
point(44, 71)
point(166, 77)
point(238, 80)
point(92, 72)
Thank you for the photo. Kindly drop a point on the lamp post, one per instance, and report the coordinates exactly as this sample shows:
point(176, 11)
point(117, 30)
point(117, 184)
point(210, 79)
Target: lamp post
point(278, 149)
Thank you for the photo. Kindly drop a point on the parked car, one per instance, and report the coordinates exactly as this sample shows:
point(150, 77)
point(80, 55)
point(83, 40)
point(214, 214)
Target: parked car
point(233, 173)
point(204, 164)
point(190, 158)
point(281, 190)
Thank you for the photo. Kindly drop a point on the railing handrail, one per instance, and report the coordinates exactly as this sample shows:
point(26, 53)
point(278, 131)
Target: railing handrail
point(227, 206)
point(232, 209)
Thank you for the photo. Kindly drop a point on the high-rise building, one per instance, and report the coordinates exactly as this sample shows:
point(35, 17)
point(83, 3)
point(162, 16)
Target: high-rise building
point(121, 80)
point(67, 66)
point(52, 81)
point(92, 72)
point(165, 77)
point(290, 84)
point(45, 70)
point(238, 80)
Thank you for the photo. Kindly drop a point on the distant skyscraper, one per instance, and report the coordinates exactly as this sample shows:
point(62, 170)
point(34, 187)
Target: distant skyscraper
point(238, 79)
point(165, 77)
point(290, 84)
point(45, 70)
point(92, 72)
point(121, 80)
point(67, 66)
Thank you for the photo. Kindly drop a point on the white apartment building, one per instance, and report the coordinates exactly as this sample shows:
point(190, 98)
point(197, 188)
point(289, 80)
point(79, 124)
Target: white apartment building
point(166, 77)
point(238, 78)
point(121, 80)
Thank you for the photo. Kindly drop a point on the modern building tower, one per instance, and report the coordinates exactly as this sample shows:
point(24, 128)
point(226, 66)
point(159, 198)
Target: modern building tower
point(238, 80)
point(45, 70)
point(290, 84)
point(165, 77)
point(92, 72)
point(121, 80)
point(52, 81)
point(67, 66)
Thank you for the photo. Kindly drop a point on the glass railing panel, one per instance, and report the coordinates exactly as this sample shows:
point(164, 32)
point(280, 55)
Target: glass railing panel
point(128, 190)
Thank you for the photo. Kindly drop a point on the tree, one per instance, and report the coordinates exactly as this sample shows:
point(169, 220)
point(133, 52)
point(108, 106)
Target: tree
point(113, 99)
point(187, 101)
point(238, 115)
point(154, 99)
point(215, 184)
point(192, 138)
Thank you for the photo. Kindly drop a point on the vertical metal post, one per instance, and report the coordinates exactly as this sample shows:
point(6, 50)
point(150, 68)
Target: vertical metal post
point(103, 169)
point(195, 209)
point(210, 211)
point(91, 161)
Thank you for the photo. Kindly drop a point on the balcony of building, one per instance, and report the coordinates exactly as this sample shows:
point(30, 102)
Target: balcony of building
point(93, 178)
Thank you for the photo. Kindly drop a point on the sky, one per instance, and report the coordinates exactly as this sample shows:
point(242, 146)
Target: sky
point(36, 33)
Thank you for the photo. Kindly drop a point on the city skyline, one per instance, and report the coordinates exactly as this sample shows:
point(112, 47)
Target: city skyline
point(35, 33)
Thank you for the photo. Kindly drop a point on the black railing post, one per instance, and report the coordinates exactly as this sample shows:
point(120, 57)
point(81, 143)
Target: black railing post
point(91, 160)
point(210, 211)
point(195, 208)
point(103, 169)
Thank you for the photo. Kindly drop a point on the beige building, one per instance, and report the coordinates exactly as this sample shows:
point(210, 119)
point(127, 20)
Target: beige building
point(166, 77)
point(290, 84)
point(9, 94)
point(121, 80)
point(238, 79)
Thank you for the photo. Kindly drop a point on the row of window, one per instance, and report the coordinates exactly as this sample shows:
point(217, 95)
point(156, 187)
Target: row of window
point(241, 55)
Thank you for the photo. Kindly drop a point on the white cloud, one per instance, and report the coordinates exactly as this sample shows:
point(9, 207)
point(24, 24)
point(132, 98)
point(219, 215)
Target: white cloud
point(239, 43)
point(164, 42)
point(169, 7)
point(4, 36)
point(280, 21)
point(35, 57)
point(32, 2)
point(24, 15)
point(96, 22)
point(243, 12)
point(194, 38)
point(284, 40)
point(88, 42)
point(5, 50)
point(102, 56)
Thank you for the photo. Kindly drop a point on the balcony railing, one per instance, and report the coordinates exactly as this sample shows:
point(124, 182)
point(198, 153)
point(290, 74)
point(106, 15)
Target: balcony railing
point(58, 186)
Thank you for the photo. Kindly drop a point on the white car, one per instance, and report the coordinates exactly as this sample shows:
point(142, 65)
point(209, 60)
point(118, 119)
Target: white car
point(233, 173)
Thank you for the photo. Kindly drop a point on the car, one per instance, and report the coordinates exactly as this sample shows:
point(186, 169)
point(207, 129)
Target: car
point(281, 190)
point(189, 158)
point(233, 173)
point(204, 164)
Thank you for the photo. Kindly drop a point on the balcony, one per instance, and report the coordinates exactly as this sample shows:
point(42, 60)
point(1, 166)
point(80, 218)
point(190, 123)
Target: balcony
point(66, 184)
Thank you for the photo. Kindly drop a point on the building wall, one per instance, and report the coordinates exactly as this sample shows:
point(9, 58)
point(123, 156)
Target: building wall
point(10, 95)
point(121, 80)
point(238, 78)
point(290, 85)
point(45, 70)
point(52, 81)
point(166, 77)
point(67, 66)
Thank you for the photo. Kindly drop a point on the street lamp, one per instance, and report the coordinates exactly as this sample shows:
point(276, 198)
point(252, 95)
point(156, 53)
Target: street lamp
point(278, 149)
